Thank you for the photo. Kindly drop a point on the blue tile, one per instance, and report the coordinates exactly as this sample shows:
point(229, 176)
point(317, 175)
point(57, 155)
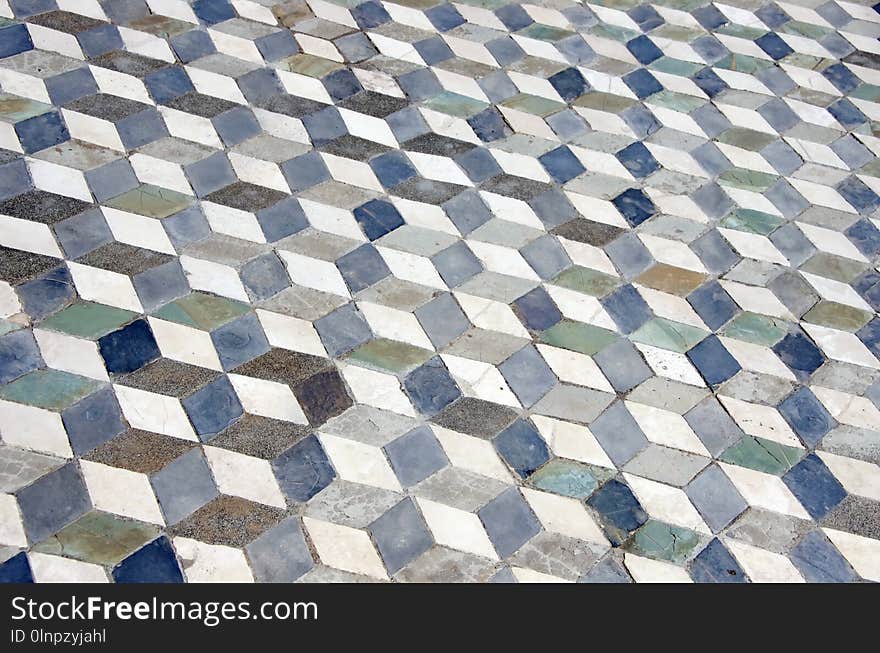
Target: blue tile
point(522, 448)
point(210, 174)
point(141, 128)
point(467, 211)
point(152, 563)
point(362, 267)
point(236, 125)
point(264, 276)
point(799, 353)
point(100, 40)
point(16, 570)
point(862, 198)
point(842, 77)
point(644, 50)
point(282, 219)
point(505, 50)
point(638, 160)
point(847, 114)
point(815, 486)
point(536, 310)
point(49, 293)
point(819, 562)
point(569, 83)
point(562, 164)
point(213, 11)
point(634, 206)
point(646, 17)
point(709, 82)
point(714, 564)
point(619, 509)
point(168, 83)
point(343, 330)
point(213, 408)
point(642, 83)
point(303, 470)
point(341, 84)
point(546, 256)
point(509, 522)
point(514, 17)
point(433, 50)
point(528, 375)
point(192, 45)
point(370, 14)
point(14, 39)
point(479, 164)
point(392, 168)
point(773, 45)
point(161, 284)
point(444, 17)
point(713, 361)
point(415, 456)
point(430, 387)
point(807, 416)
point(129, 348)
point(278, 45)
point(377, 218)
point(712, 303)
point(51, 502)
point(184, 485)
point(323, 126)
point(627, 308)
point(489, 125)
point(456, 264)
point(239, 341)
point(41, 131)
point(19, 355)
point(709, 16)
point(93, 421)
point(401, 535)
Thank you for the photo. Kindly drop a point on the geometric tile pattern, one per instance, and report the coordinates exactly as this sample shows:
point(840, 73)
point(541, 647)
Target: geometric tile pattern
point(331, 290)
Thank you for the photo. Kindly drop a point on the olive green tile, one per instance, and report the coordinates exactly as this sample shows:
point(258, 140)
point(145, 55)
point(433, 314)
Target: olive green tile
point(666, 334)
point(88, 320)
point(586, 280)
point(756, 328)
point(50, 389)
point(675, 67)
point(606, 102)
point(577, 336)
point(202, 311)
point(309, 65)
point(662, 541)
point(390, 355)
point(151, 201)
point(99, 538)
point(838, 316)
point(748, 139)
point(833, 267)
point(543, 32)
point(762, 455)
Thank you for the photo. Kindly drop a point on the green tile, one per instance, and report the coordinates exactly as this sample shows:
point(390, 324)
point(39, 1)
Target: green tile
point(662, 541)
point(613, 32)
point(7, 326)
point(834, 267)
point(533, 104)
point(569, 478)
point(762, 455)
point(838, 316)
point(758, 182)
point(202, 311)
point(99, 538)
point(675, 67)
point(676, 101)
point(15, 109)
point(50, 389)
point(607, 102)
point(454, 104)
point(756, 222)
point(152, 201)
point(586, 280)
point(666, 334)
point(743, 63)
point(748, 139)
point(542, 32)
point(756, 328)
point(88, 320)
point(577, 336)
point(390, 355)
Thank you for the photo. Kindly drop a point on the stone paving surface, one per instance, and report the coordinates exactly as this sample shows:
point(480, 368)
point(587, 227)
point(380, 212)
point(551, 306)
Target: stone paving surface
point(331, 290)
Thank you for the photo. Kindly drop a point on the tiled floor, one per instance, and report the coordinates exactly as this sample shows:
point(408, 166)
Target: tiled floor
point(483, 291)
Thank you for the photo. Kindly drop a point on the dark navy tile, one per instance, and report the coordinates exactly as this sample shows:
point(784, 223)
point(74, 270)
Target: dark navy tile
point(799, 353)
point(713, 361)
point(644, 50)
point(152, 563)
point(129, 348)
point(377, 218)
point(714, 564)
point(16, 570)
point(619, 509)
point(642, 83)
point(634, 206)
point(638, 160)
point(569, 83)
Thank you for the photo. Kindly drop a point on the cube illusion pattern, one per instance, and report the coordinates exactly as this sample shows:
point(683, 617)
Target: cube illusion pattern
point(331, 290)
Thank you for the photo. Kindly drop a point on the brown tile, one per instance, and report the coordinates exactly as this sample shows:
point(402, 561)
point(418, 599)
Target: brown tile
point(140, 451)
point(260, 437)
point(283, 366)
point(671, 279)
point(230, 521)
